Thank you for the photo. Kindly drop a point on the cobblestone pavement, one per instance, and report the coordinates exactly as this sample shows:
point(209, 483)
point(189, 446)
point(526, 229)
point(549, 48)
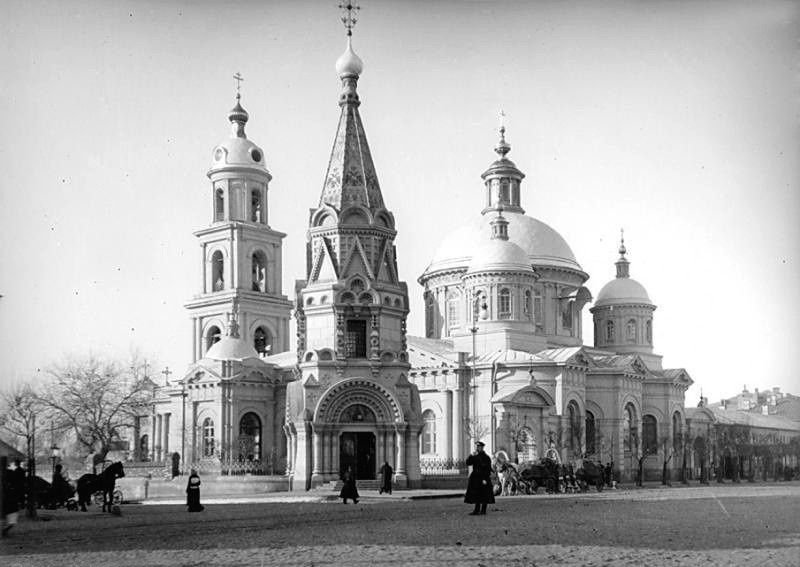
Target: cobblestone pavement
point(715, 525)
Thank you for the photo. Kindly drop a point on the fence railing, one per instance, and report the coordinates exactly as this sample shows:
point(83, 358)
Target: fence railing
point(438, 466)
point(239, 468)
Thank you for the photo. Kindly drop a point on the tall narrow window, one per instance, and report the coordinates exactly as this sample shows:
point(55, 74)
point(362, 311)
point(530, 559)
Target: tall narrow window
point(480, 310)
point(609, 331)
point(219, 205)
point(504, 191)
point(262, 341)
point(430, 317)
point(631, 330)
point(428, 432)
point(590, 433)
point(630, 441)
point(677, 432)
point(504, 303)
point(649, 331)
point(649, 435)
point(574, 427)
point(255, 206)
point(566, 314)
point(217, 271)
point(259, 271)
point(208, 437)
point(527, 306)
point(356, 338)
point(526, 445)
point(453, 311)
point(537, 308)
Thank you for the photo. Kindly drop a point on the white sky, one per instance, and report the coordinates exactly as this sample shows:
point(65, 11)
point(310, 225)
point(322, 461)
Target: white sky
point(675, 120)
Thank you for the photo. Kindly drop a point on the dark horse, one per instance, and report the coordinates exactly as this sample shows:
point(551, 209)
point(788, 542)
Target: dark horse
point(88, 484)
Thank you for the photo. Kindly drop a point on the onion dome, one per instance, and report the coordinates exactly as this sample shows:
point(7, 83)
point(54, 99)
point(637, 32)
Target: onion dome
point(349, 63)
point(499, 253)
point(237, 151)
point(623, 289)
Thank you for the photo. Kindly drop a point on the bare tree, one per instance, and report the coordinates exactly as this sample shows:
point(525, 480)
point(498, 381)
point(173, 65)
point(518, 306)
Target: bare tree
point(476, 428)
point(19, 407)
point(666, 444)
point(97, 398)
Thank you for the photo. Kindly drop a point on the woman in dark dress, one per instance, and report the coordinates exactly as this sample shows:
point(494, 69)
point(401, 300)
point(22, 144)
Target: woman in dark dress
point(480, 491)
point(386, 478)
point(193, 493)
point(349, 490)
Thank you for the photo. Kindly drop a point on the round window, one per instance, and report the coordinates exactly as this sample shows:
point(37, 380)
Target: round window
point(256, 155)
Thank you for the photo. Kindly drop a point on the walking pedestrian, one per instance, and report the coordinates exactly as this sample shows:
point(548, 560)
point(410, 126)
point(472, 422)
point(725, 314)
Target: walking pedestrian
point(480, 491)
point(10, 500)
point(193, 493)
point(386, 478)
point(349, 490)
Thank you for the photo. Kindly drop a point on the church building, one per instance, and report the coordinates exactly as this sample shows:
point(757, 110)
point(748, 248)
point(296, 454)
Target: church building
point(503, 360)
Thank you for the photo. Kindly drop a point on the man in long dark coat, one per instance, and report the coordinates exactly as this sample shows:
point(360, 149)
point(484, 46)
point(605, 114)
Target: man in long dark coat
point(480, 491)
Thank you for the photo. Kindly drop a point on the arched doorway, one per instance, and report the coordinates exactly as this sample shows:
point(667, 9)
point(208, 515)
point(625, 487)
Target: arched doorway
point(357, 446)
point(250, 437)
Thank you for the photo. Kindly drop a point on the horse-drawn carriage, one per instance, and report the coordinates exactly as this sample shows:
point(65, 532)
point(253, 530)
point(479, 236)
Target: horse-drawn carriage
point(527, 477)
point(100, 487)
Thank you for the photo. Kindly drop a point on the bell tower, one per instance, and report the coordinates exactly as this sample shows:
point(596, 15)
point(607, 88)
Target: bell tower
point(240, 252)
point(353, 406)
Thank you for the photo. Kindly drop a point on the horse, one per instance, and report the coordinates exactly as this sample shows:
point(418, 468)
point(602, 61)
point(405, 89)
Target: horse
point(506, 473)
point(590, 474)
point(88, 484)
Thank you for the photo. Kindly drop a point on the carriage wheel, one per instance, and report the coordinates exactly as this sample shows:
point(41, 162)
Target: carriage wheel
point(533, 486)
point(116, 498)
point(97, 498)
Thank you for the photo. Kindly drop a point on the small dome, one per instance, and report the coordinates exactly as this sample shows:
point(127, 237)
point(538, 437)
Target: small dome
point(231, 348)
point(542, 245)
point(622, 290)
point(349, 63)
point(237, 151)
point(497, 254)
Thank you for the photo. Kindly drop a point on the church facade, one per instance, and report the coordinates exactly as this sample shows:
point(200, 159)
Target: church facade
point(503, 360)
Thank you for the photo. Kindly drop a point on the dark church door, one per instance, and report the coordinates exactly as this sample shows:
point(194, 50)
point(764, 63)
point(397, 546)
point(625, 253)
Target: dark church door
point(357, 451)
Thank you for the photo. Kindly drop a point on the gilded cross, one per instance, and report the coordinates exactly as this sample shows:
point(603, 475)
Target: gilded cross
point(166, 372)
point(238, 77)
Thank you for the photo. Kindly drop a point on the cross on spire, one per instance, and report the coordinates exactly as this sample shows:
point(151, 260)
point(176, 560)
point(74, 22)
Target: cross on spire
point(238, 77)
point(166, 372)
point(349, 15)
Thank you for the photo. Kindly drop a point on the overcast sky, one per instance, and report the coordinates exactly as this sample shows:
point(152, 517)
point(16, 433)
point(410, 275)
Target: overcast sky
point(675, 120)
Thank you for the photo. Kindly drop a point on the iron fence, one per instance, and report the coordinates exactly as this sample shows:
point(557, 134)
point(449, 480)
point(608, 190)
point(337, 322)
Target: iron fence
point(438, 466)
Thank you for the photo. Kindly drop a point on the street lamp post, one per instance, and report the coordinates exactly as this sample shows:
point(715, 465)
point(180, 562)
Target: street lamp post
point(55, 454)
point(183, 424)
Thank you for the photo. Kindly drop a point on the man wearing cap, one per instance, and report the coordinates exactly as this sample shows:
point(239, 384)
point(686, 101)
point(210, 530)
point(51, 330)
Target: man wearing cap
point(480, 491)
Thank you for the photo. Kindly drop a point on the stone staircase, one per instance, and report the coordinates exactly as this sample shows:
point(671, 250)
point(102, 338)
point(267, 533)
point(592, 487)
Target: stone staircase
point(362, 485)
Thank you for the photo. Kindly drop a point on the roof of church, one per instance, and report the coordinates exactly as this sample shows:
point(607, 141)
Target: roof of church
point(231, 348)
point(351, 178)
point(427, 353)
point(283, 360)
point(623, 288)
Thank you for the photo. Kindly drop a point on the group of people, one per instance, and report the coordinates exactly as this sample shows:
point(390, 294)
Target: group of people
point(350, 490)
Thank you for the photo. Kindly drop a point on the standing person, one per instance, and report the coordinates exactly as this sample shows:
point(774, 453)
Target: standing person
point(386, 478)
point(349, 489)
point(10, 499)
point(479, 488)
point(193, 493)
point(18, 480)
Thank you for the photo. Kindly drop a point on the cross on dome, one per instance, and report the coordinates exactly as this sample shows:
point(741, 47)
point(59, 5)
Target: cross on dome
point(349, 15)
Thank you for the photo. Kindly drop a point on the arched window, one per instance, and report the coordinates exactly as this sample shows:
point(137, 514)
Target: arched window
point(255, 206)
point(537, 308)
point(630, 431)
point(527, 305)
point(526, 445)
point(262, 340)
point(590, 433)
point(504, 191)
point(677, 432)
point(217, 271)
point(213, 335)
point(144, 447)
point(428, 432)
point(649, 435)
point(208, 437)
point(250, 438)
point(259, 271)
point(504, 303)
point(453, 311)
point(649, 331)
point(609, 331)
point(630, 330)
point(219, 205)
point(573, 427)
point(480, 310)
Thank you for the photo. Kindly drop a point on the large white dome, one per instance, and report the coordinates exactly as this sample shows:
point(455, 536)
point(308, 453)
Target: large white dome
point(231, 348)
point(497, 254)
point(543, 245)
point(622, 290)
